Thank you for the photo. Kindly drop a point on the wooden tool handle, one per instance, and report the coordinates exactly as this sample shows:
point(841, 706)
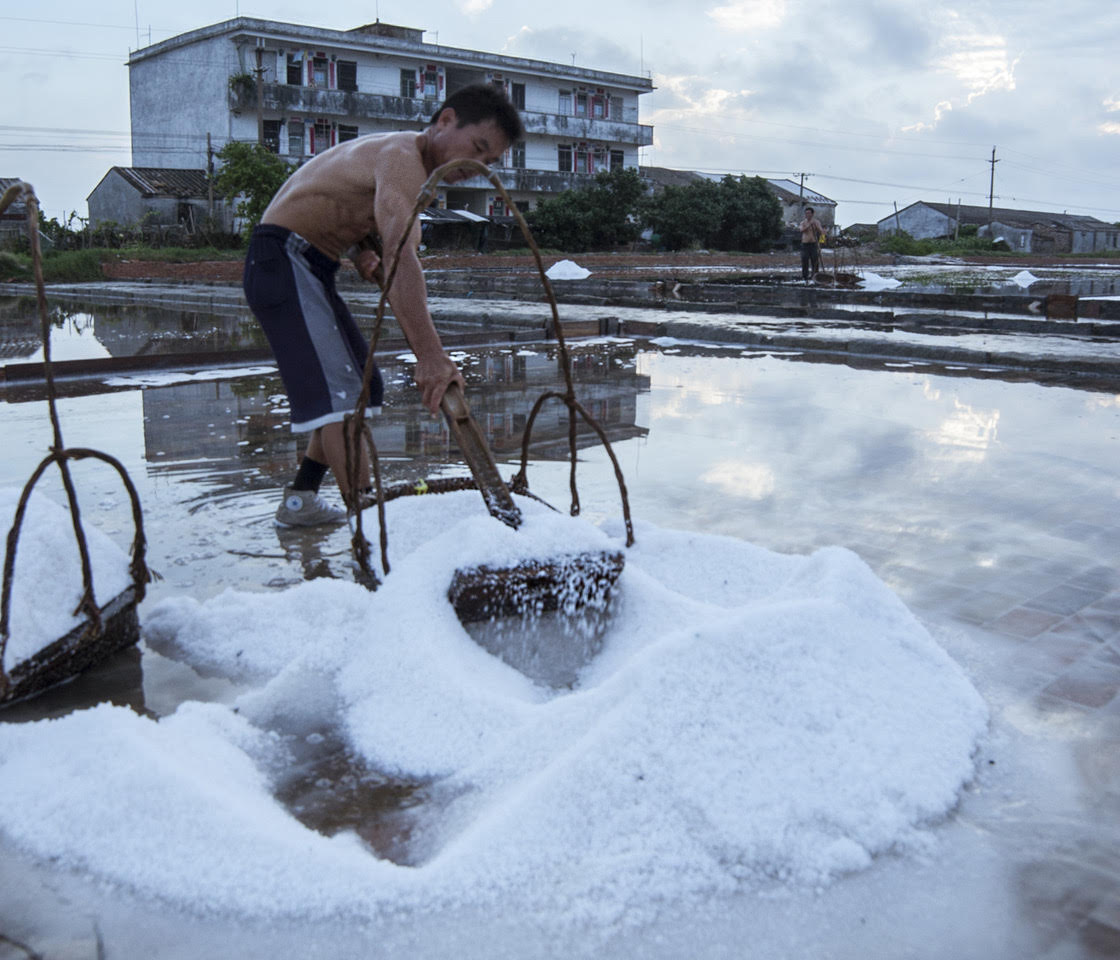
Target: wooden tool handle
point(472, 444)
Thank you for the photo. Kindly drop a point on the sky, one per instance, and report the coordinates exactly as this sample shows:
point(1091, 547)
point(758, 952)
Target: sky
point(876, 102)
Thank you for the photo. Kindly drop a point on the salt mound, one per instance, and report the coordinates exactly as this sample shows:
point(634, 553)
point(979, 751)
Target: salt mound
point(47, 583)
point(567, 270)
point(872, 281)
point(1024, 278)
point(752, 719)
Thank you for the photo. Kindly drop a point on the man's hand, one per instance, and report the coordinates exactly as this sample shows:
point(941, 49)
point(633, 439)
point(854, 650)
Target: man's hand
point(366, 262)
point(433, 376)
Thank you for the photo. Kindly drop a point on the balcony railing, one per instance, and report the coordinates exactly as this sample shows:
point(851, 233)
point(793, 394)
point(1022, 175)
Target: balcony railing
point(280, 98)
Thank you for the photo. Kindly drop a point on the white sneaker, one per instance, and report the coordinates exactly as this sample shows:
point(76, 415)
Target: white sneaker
point(305, 508)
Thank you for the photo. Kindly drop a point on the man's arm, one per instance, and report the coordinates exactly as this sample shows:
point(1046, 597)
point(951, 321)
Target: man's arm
point(408, 294)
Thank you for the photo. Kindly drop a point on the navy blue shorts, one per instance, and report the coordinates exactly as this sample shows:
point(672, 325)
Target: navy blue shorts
point(321, 353)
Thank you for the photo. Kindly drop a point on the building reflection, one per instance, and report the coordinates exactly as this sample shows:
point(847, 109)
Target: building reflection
point(241, 426)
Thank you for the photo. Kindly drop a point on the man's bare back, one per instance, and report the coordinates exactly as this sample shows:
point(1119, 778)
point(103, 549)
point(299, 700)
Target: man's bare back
point(358, 188)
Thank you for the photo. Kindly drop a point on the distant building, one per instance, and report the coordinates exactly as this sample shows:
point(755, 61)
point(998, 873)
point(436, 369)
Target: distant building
point(796, 197)
point(1028, 231)
point(302, 89)
point(13, 221)
point(157, 197)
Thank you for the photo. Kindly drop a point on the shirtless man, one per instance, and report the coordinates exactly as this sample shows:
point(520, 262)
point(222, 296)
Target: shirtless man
point(346, 201)
point(811, 233)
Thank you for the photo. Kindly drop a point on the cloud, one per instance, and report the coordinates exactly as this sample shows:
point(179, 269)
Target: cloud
point(561, 45)
point(979, 63)
point(1109, 127)
point(472, 7)
point(747, 15)
point(939, 111)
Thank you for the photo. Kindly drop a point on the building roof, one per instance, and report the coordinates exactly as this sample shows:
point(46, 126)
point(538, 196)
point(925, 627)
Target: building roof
point(439, 215)
point(1025, 219)
point(382, 37)
point(18, 210)
point(795, 193)
point(667, 177)
point(786, 190)
point(171, 182)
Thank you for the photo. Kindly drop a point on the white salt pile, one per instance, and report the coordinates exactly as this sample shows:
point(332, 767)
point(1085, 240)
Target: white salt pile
point(567, 270)
point(872, 281)
point(1024, 278)
point(47, 579)
point(752, 719)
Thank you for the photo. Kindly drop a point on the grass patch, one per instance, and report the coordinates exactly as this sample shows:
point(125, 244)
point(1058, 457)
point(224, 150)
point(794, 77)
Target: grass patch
point(66, 266)
point(175, 254)
point(905, 245)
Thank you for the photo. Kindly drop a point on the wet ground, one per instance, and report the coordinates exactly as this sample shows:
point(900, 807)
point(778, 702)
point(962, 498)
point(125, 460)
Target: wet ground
point(984, 493)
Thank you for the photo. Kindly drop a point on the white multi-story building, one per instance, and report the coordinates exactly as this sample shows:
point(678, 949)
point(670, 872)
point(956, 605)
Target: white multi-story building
point(301, 89)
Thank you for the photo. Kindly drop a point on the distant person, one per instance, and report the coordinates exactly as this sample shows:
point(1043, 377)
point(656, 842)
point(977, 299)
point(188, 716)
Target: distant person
point(812, 233)
point(353, 200)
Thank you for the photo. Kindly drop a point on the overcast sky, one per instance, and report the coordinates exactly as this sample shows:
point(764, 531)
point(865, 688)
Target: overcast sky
point(877, 102)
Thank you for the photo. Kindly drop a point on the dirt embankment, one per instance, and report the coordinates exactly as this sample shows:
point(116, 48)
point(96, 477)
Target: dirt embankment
point(603, 264)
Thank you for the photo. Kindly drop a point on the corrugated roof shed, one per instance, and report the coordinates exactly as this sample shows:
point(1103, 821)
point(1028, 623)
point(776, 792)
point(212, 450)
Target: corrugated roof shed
point(157, 182)
point(1013, 218)
point(18, 210)
point(792, 192)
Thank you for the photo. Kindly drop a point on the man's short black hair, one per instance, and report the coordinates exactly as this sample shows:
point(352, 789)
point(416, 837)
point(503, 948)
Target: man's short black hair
point(480, 102)
point(810, 210)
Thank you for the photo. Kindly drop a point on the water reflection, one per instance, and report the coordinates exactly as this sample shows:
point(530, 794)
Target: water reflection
point(84, 332)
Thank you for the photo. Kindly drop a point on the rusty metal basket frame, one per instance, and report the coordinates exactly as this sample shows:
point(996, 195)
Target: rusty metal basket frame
point(68, 649)
point(355, 425)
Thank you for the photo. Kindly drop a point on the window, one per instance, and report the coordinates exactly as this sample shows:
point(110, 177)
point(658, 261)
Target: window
point(565, 107)
point(518, 154)
point(517, 95)
point(408, 83)
point(319, 71)
point(581, 104)
point(346, 132)
point(615, 105)
point(522, 205)
point(583, 159)
point(295, 69)
point(431, 83)
point(564, 158)
point(272, 135)
point(598, 107)
point(321, 136)
point(295, 138)
point(347, 75)
point(266, 62)
point(618, 159)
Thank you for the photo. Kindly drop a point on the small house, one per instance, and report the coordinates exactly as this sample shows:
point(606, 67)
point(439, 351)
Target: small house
point(157, 198)
point(1026, 231)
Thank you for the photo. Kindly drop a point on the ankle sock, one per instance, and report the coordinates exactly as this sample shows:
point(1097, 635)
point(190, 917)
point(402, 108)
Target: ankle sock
point(310, 475)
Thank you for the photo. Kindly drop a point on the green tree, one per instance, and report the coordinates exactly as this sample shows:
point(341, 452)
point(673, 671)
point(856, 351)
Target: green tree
point(251, 175)
point(686, 216)
point(751, 216)
point(601, 216)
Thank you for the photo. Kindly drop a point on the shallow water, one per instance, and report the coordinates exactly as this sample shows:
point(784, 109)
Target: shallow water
point(989, 504)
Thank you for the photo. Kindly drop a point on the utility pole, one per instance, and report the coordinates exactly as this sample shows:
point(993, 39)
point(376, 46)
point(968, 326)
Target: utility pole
point(991, 190)
point(209, 176)
point(801, 192)
point(260, 98)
